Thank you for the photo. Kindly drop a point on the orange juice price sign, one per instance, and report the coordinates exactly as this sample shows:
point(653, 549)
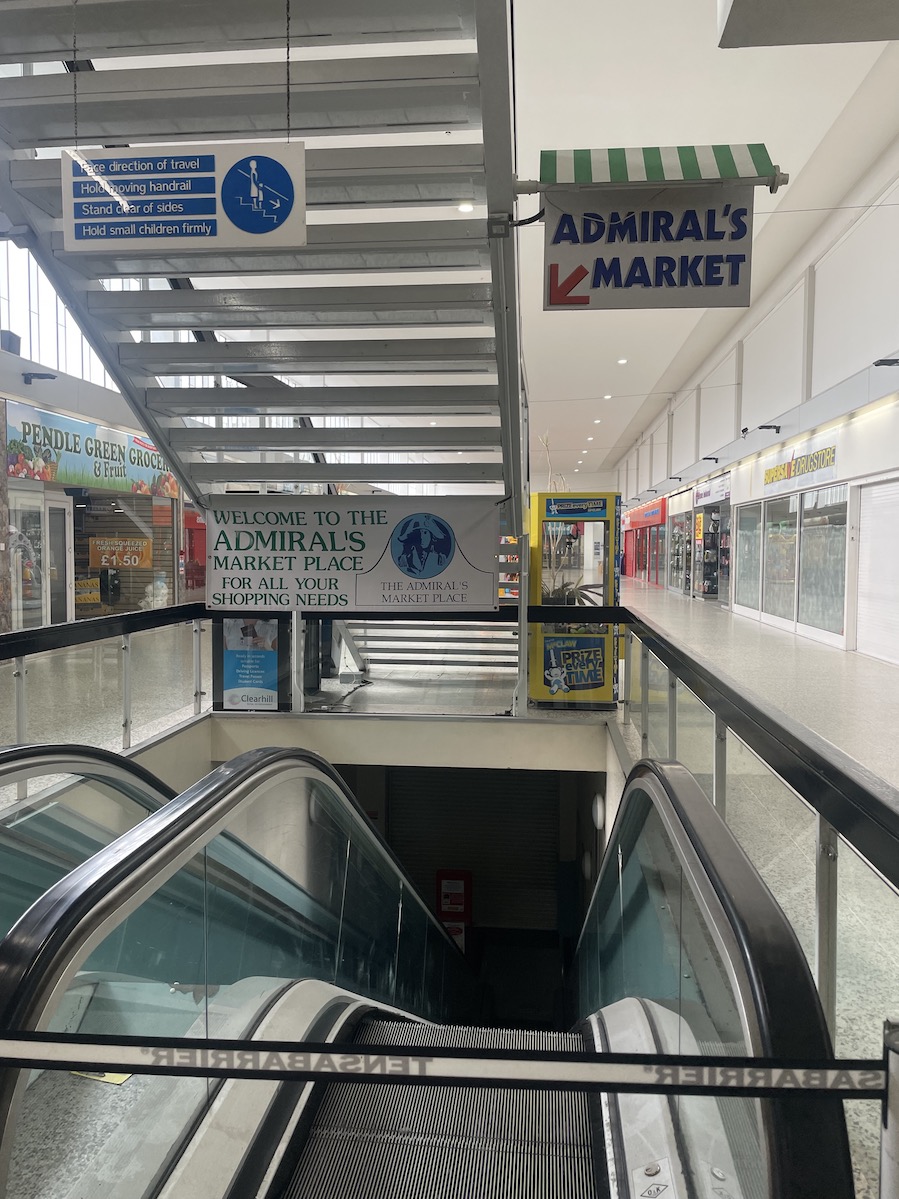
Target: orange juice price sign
point(114, 553)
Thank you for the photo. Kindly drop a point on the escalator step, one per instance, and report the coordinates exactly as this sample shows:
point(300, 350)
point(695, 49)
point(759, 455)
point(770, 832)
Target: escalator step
point(374, 1141)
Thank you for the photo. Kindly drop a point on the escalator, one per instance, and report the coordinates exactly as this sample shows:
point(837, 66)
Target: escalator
point(260, 905)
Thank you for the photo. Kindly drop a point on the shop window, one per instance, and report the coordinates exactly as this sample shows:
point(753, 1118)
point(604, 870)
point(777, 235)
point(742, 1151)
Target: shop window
point(779, 586)
point(822, 559)
point(749, 556)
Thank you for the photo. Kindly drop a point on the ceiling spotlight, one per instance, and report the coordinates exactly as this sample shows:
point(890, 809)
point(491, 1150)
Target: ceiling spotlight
point(580, 461)
point(466, 206)
point(607, 397)
point(676, 478)
point(589, 438)
point(776, 428)
point(576, 471)
point(597, 422)
point(29, 376)
point(622, 362)
point(433, 422)
point(709, 458)
point(652, 491)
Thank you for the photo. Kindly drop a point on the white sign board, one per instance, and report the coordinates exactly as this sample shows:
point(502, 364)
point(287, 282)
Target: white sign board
point(664, 247)
point(804, 465)
point(326, 554)
point(174, 197)
point(712, 491)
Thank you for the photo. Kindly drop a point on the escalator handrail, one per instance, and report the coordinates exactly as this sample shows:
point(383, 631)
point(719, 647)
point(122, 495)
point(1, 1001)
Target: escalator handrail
point(808, 1135)
point(83, 760)
point(36, 952)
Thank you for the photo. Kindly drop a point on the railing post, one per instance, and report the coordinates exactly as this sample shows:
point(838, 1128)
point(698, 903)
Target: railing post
point(889, 1133)
point(628, 672)
point(719, 767)
point(298, 653)
point(19, 673)
point(644, 699)
point(826, 923)
point(126, 691)
point(520, 695)
point(672, 714)
point(198, 666)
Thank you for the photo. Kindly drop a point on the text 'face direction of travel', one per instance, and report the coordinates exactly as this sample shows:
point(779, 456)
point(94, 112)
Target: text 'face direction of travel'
point(671, 247)
point(207, 197)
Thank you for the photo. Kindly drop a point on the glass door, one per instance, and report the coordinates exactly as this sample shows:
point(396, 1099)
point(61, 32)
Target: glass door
point(26, 556)
point(59, 559)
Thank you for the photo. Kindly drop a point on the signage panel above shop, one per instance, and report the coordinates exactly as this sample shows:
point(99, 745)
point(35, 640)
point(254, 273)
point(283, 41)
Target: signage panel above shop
point(51, 448)
point(170, 197)
point(352, 552)
point(712, 491)
point(803, 465)
point(655, 512)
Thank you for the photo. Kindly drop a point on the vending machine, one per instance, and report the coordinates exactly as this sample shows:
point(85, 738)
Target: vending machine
point(575, 561)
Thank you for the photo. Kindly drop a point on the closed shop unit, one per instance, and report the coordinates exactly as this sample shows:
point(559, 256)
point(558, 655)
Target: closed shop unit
point(877, 631)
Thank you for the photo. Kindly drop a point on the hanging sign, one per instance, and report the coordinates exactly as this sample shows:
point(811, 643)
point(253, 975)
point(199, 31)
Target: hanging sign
point(658, 247)
point(174, 197)
point(325, 553)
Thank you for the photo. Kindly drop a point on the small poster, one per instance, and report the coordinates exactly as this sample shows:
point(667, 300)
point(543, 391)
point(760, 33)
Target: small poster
point(114, 553)
point(573, 664)
point(251, 664)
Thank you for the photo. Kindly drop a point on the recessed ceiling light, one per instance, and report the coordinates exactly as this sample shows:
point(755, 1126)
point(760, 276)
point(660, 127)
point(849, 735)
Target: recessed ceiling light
point(597, 422)
point(576, 471)
point(622, 362)
point(585, 451)
point(466, 206)
point(608, 397)
point(580, 461)
point(433, 422)
point(589, 438)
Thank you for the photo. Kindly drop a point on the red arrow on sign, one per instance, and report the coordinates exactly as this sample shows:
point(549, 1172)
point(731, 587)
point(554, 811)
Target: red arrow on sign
point(560, 293)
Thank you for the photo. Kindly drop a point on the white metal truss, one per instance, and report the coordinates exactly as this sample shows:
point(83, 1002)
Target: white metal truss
point(386, 349)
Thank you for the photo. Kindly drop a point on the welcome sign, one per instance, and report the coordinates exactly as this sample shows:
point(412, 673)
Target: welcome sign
point(322, 554)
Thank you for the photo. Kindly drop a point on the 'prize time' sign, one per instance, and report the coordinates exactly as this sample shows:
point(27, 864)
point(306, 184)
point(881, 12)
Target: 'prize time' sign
point(665, 247)
point(202, 197)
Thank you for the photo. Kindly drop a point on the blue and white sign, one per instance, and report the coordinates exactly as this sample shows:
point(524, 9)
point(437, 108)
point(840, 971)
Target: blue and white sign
point(564, 507)
point(209, 197)
point(648, 247)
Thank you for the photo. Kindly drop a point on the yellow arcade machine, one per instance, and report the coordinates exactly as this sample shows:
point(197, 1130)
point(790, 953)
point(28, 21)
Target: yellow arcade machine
point(574, 560)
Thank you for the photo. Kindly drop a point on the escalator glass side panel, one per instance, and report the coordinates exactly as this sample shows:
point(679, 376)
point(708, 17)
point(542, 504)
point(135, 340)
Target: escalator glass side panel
point(647, 935)
point(69, 814)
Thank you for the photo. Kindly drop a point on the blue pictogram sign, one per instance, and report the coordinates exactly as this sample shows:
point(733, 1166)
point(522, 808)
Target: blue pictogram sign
point(257, 194)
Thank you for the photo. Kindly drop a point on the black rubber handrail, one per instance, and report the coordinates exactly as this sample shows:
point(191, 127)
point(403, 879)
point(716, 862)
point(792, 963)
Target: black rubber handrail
point(36, 950)
point(807, 1133)
point(43, 757)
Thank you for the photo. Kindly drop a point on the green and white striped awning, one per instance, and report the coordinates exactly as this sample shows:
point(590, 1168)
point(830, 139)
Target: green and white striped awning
point(661, 164)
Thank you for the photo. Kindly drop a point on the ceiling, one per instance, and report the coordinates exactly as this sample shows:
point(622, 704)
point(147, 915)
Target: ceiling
point(651, 74)
point(401, 312)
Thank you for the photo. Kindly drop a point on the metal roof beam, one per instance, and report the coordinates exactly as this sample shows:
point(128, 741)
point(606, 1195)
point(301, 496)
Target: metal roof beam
point(322, 401)
point(294, 307)
point(381, 440)
point(204, 473)
point(41, 30)
point(307, 357)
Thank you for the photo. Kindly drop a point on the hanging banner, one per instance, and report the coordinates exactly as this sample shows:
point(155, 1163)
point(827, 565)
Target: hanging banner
point(59, 449)
point(648, 247)
point(318, 553)
point(215, 197)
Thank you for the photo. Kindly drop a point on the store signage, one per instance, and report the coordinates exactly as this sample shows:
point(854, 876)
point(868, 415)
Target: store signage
point(175, 197)
point(712, 491)
point(807, 464)
point(87, 591)
point(564, 507)
point(639, 247)
point(653, 513)
point(59, 449)
point(114, 553)
point(317, 553)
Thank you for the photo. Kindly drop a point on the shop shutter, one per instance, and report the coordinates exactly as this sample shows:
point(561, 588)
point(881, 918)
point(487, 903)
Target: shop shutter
point(878, 573)
point(502, 825)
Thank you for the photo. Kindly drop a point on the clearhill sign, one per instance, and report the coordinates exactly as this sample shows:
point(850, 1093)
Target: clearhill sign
point(657, 227)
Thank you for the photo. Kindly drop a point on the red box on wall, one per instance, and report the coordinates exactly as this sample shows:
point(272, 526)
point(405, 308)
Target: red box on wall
point(454, 896)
